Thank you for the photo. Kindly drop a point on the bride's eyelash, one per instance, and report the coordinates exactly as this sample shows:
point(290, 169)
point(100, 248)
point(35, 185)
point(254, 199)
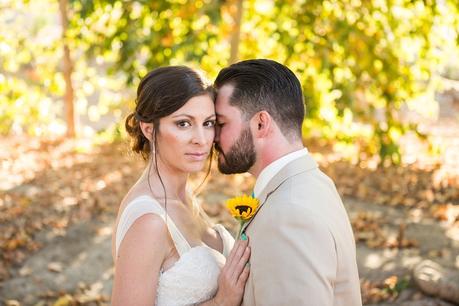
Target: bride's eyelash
point(186, 123)
point(182, 123)
point(212, 123)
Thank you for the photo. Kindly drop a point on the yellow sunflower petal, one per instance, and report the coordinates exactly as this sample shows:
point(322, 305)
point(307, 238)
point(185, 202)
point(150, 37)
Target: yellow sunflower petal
point(243, 207)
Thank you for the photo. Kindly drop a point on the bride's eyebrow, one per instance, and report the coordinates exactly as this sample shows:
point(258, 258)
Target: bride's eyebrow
point(191, 117)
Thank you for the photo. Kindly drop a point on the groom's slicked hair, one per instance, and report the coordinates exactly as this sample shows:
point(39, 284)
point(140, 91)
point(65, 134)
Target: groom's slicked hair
point(262, 84)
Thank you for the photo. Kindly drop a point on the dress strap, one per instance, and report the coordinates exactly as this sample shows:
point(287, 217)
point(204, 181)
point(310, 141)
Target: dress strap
point(144, 205)
point(181, 244)
point(228, 240)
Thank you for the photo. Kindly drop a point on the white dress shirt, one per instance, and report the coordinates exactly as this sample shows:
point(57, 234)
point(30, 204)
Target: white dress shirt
point(273, 168)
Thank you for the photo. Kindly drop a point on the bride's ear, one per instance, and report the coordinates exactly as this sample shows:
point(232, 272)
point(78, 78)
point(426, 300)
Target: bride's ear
point(147, 130)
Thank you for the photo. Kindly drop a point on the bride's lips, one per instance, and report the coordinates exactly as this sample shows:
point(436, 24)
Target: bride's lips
point(197, 156)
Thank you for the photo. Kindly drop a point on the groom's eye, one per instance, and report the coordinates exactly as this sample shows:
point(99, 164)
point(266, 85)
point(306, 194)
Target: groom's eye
point(220, 124)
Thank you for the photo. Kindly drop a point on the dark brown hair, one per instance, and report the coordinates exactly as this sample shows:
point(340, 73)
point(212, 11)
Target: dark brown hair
point(161, 92)
point(262, 84)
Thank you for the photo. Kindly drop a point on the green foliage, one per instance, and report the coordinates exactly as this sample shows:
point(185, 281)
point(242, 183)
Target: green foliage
point(28, 84)
point(395, 285)
point(143, 35)
point(360, 62)
point(31, 79)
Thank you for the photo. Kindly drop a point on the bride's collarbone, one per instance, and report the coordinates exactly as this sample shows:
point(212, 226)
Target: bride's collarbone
point(197, 232)
point(193, 227)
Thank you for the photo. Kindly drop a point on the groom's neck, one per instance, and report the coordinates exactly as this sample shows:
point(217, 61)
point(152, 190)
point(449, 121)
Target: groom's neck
point(270, 151)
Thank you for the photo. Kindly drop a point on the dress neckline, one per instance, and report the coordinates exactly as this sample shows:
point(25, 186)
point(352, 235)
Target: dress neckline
point(175, 229)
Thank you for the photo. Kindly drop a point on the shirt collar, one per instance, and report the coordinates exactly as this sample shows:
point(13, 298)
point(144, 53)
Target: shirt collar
point(273, 168)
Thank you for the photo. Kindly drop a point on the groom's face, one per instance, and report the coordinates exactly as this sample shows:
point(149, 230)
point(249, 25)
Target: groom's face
point(233, 141)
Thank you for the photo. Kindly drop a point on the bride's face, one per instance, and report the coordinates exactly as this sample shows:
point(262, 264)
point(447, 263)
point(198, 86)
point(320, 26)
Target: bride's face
point(185, 137)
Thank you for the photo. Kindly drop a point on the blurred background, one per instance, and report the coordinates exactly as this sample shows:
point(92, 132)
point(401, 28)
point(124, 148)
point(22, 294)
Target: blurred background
point(381, 86)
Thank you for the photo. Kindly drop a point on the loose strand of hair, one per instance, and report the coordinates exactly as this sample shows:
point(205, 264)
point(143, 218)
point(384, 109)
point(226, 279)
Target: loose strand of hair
point(159, 175)
point(199, 209)
point(209, 169)
point(152, 150)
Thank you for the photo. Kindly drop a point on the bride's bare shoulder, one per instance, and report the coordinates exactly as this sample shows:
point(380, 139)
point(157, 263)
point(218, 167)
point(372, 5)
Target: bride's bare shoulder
point(134, 192)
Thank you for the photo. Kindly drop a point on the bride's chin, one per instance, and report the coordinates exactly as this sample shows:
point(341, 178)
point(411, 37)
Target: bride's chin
point(196, 168)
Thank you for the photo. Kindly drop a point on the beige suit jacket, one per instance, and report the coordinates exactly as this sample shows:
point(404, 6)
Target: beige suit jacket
point(303, 248)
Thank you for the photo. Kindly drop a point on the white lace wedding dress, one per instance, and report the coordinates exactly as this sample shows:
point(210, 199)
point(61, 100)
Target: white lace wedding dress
point(193, 278)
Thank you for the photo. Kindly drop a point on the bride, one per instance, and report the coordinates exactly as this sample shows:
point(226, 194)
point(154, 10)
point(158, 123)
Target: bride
point(166, 252)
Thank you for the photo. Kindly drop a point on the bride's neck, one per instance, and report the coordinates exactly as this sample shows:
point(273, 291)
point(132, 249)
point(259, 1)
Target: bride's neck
point(175, 183)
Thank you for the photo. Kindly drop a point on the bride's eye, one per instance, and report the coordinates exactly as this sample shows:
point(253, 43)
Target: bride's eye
point(183, 124)
point(209, 123)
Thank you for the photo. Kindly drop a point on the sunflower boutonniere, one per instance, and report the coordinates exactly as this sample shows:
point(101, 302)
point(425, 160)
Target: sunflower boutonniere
point(242, 208)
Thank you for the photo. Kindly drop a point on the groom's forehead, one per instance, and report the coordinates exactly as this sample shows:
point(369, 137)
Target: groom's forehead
point(224, 93)
point(227, 111)
point(223, 107)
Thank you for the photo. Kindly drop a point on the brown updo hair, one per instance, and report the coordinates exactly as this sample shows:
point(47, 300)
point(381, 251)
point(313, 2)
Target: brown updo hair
point(161, 92)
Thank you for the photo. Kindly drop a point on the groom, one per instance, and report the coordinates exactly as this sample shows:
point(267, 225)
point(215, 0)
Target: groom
point(302, 245)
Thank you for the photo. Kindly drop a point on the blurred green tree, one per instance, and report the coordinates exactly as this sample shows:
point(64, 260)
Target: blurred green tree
point(361, 63)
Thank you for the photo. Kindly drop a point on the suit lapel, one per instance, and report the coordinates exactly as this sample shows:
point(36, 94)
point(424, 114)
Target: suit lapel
point(295, 167)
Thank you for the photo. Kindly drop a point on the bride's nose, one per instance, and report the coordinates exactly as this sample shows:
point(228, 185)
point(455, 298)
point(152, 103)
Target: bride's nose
point(199, 136)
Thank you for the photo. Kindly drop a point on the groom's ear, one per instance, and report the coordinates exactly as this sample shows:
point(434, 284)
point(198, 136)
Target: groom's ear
point(261, 124)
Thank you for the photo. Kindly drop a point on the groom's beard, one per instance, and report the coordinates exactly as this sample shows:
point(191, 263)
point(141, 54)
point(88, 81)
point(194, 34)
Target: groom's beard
point(240, 157)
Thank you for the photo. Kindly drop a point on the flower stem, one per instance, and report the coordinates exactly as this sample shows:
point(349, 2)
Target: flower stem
point(241, 224)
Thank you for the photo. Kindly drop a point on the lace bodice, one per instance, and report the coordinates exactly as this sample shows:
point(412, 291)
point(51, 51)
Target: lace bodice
point(193, 278)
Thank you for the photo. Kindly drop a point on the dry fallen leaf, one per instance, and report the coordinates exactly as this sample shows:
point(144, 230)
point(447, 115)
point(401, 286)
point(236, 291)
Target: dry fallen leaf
point(65, 300)
point(55, 267)
point(56, 186)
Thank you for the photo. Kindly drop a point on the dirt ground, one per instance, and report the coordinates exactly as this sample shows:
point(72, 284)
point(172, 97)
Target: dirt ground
point(58, 201)
point(79, 262)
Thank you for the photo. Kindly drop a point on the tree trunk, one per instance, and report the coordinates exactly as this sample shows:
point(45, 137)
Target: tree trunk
point(67, 70)
point(235, 38)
